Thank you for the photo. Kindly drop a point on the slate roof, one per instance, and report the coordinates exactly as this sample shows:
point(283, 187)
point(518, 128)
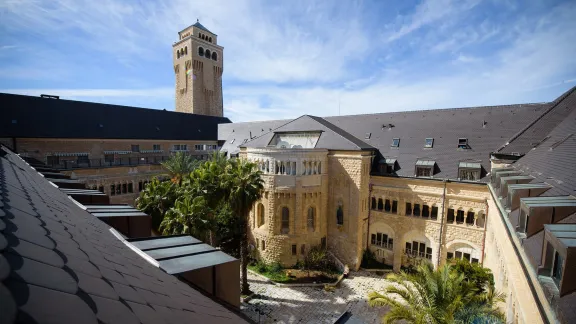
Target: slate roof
point(536, 131)
point(59, 264)
point(486, 129)
point(36, 117)
point(332, 137)
point(199, 25)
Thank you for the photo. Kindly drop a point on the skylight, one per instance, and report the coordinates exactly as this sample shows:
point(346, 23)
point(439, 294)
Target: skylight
point(429, 143)
point(395, 142)
point(462, 143)
point(295, 140)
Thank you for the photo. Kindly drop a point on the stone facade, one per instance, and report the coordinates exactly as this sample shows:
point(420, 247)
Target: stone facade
point(198, 67)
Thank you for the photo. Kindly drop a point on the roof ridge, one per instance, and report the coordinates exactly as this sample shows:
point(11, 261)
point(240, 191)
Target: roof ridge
point(554, 104)
point(256, 137)
point(341, 132)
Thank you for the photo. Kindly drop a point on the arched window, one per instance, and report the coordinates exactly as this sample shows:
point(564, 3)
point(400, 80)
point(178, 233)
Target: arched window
point(470, 218)
point(285, 220)
point(201, 51)
point(311, 216)
point(210, 39)
point(460, 216)
point(185, 50)
point(340, 215)
point(380, 204)
point(214, 56)
point(373, 203)
point(178, 54)
point(387, 206)
point(260, 215)
point(207, 53)
point(203, 37)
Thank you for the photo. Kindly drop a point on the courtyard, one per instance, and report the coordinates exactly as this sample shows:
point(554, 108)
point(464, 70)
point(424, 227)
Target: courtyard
point(277, 304)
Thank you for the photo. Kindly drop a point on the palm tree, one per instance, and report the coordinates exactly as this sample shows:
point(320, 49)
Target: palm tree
point(156, 199)
point(188, 216)
point(441, 296)
point(245, 185)
point(180, 165)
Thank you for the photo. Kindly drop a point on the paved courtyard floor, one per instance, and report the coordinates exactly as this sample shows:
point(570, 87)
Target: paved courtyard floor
point(312, 304)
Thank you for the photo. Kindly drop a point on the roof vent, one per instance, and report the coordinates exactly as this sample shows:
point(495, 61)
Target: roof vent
point(49, 96)
point(484, 124)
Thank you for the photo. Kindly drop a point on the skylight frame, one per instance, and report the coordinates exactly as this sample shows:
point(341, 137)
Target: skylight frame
point(395, 142)
point(429, 142)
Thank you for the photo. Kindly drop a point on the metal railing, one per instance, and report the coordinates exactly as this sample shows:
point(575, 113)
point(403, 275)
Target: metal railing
point(100, 163)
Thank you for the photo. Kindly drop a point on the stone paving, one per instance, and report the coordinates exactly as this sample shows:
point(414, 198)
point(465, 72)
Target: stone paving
point(313, 304)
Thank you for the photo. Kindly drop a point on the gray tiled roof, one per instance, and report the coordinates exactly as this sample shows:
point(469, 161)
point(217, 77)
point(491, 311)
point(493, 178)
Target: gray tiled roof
point(332, 137)
point(486, 129)
point(27, 116)
point(59, 264)
point(536, 131)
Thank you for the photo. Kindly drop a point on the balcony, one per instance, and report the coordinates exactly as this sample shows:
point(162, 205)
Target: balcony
point(104, 163)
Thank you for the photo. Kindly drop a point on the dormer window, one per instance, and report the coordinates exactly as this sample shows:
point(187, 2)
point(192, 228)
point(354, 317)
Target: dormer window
point(395, 142)
point(469, 171)
point(463, 143)
point(425, 168)
point(428, 143)
point(557, 257)
point(537, 211)
point(387, 166)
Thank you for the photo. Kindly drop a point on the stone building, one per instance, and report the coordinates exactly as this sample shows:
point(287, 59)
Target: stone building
point(431, 185)
point(114, 149)
point(198, 66)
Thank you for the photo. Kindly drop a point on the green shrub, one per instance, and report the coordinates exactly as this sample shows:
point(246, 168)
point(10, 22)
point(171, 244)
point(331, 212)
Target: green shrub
point(275, 267)
point(260, 267)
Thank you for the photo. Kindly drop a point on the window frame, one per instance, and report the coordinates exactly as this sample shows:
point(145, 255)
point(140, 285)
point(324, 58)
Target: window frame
point(429, 145)
point(285, 220)
point(395, 142)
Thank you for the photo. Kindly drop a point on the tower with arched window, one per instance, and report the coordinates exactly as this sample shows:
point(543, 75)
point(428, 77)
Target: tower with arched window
point(198, 67)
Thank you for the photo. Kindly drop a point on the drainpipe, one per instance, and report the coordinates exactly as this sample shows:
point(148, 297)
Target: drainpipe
point(484, 234)
point(369, 210)
point(441, 224)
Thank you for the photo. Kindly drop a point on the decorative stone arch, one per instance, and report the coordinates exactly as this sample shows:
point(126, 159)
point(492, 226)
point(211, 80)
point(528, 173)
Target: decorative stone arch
point(215, 56)
point(200, 51)
point(260, 214)
point(382, 227)
point(280, 216)
point(416, 235)
point(314, 221)
point(207, 53)
point(464, 246)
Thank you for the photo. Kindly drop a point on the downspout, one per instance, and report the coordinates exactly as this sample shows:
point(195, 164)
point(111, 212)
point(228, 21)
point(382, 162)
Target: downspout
point(441, 224)
point(369, 210)
point(484, 234)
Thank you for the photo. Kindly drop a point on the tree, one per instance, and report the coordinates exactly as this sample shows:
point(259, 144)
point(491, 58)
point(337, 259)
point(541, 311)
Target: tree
point(441, 296)
point(180, 165)
point(188, 216)
point(481, 277)
point(245, 185)
point(156, 199)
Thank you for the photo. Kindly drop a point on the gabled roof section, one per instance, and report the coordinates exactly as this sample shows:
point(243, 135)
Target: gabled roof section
point(28, 116)
point(534, 133)
point(200, 26)
point(332, 137)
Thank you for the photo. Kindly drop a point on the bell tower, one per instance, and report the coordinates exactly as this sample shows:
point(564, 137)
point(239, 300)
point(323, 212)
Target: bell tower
point(198, 66)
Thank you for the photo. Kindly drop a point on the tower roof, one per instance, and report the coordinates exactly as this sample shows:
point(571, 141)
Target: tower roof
point(199, 25)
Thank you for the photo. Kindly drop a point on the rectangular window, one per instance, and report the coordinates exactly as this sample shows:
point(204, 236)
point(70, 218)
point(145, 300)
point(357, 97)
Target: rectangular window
point(294, 249)
point(83, 159)
point(462, 143)
point(373, 239)
point(180, 147)
point(140, 187)
point(379, 239)
point(408, 209)
point(124, 188)
point(156, 147)
point(408, 247)
point(422, 249)
point(384, 239)
point(425, 211)
point(112, 190)
point(557, 268)
point(458, 255)
point(391, 244)
point(467, 256)
point(470, 218)
point(101, 189)
point(429, 253)
point(109, 158)
point(474, 260)
point(395, 142)
point(434, 214)
point(450, 255)
point(429, 142)
point(130, 187)
point(394, 206)
point(118, 189)
point(135, 148)
point(450, 216)
point(52, 160)
point(459, 217)
point(263, 245)
point(387, 206)
point(423, 172)
point(199, 147)
point(469, 174)
point(416, 210)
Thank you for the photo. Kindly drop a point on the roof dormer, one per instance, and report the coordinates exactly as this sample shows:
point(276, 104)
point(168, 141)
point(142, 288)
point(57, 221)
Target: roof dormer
point(535, 212)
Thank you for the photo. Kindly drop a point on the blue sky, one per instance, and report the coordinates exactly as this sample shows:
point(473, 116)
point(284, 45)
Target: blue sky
point(283, 59)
